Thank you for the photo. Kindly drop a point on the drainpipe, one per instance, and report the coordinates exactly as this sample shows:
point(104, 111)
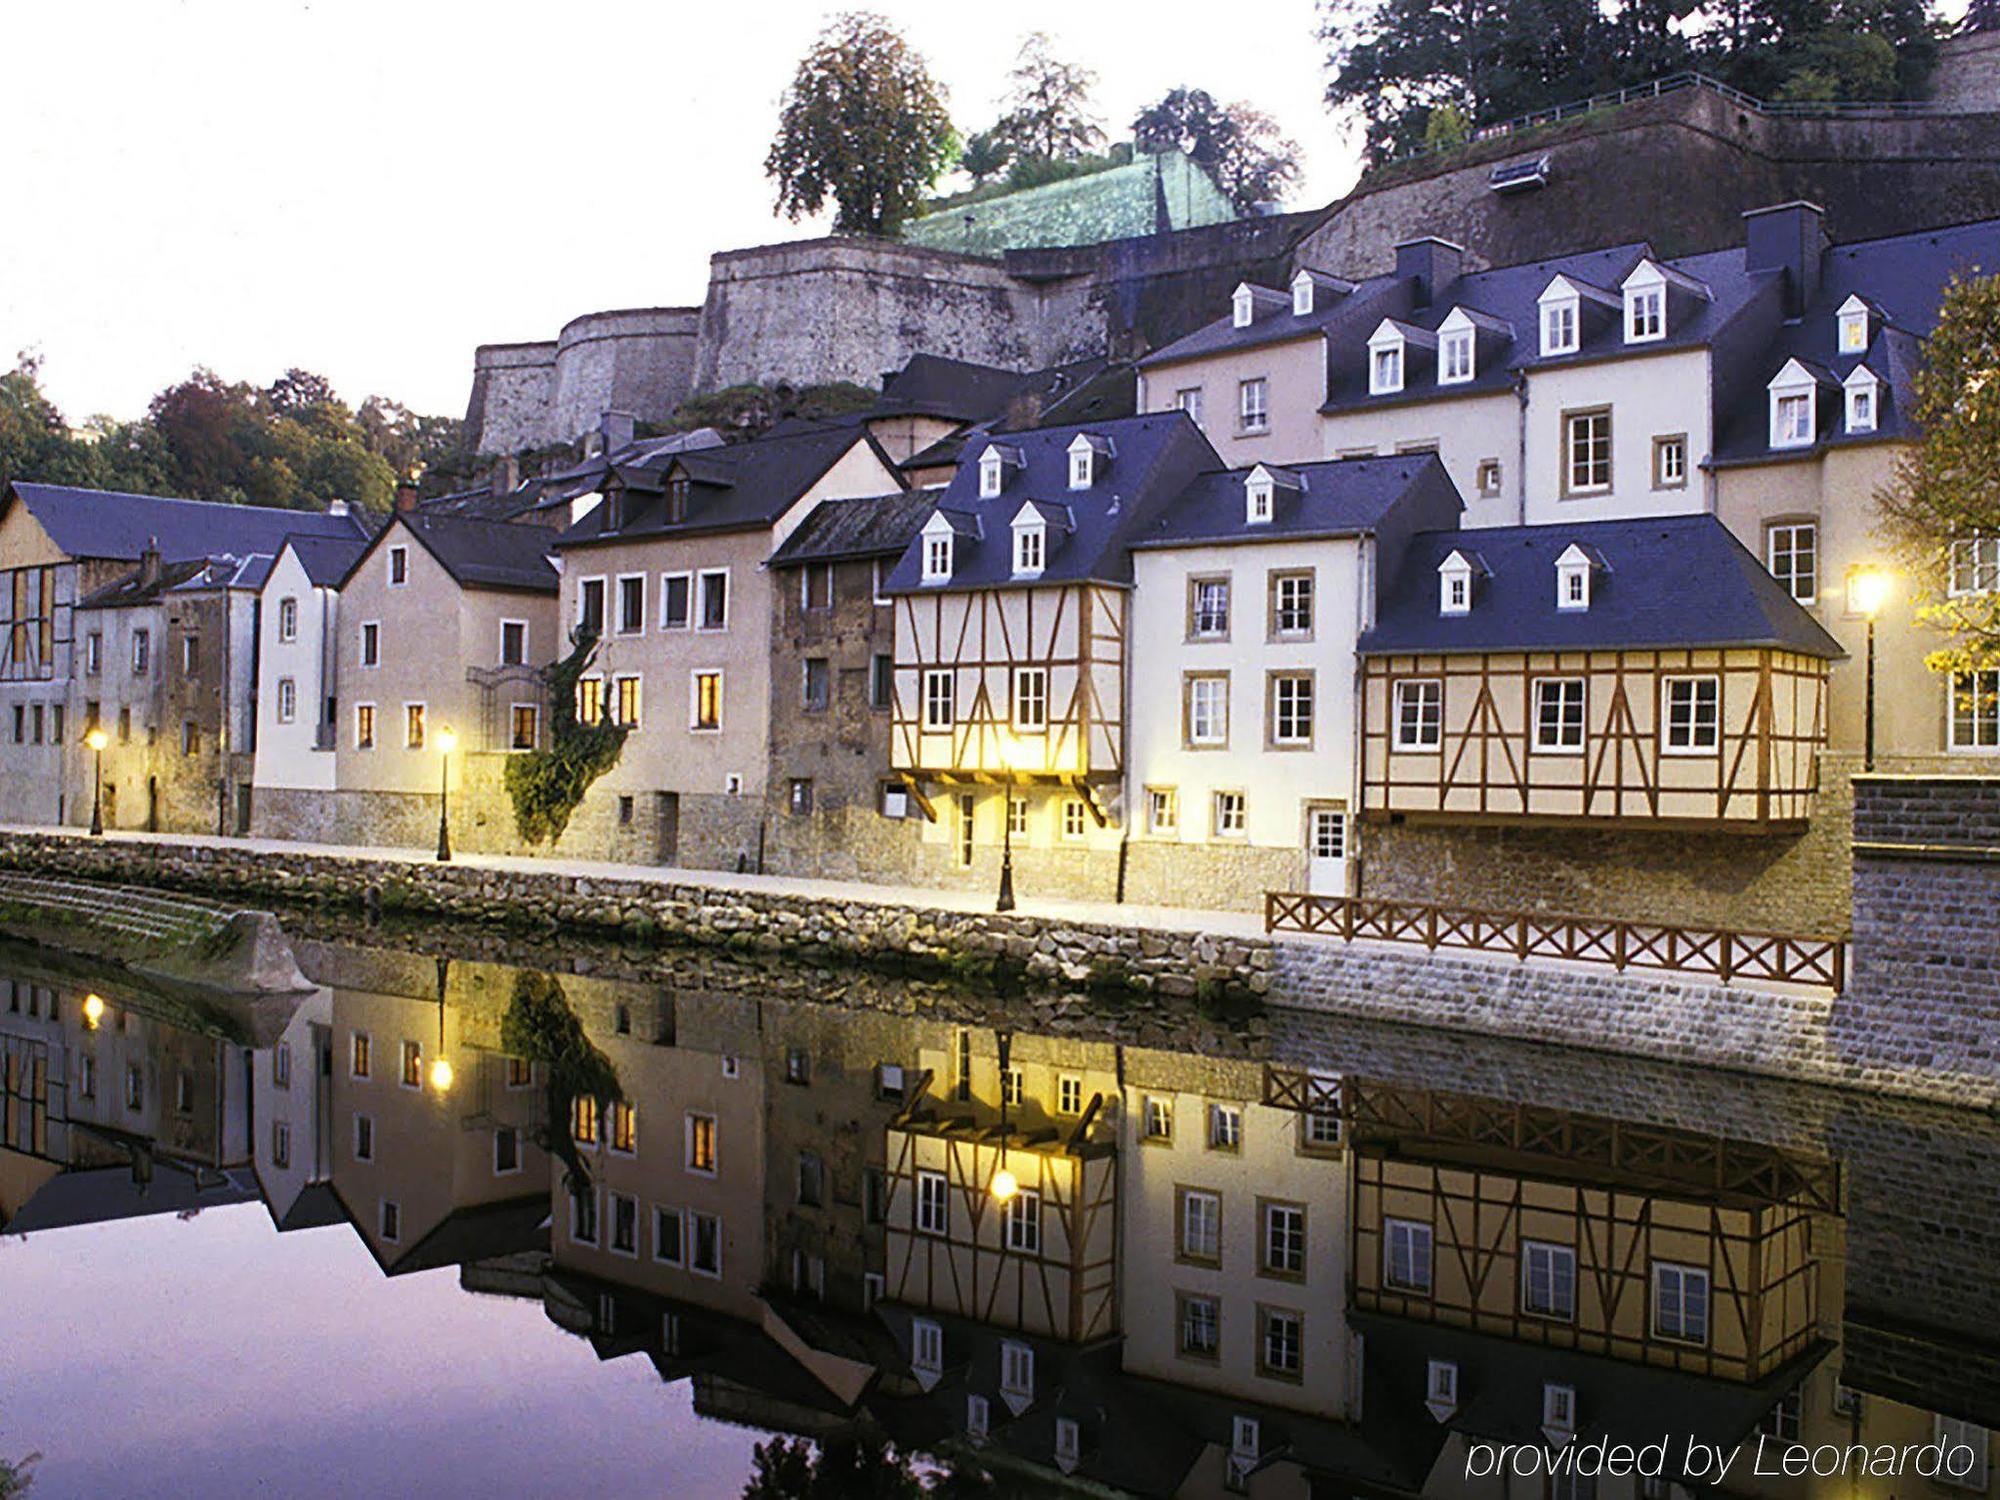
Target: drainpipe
point(1521, 448)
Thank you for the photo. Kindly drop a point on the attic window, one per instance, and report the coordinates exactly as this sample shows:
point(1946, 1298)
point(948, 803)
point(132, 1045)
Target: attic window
point(937, 558)
point(1645, 313)
point(1573, 583)
point(677, 498)
point(992, 473)
point(1084, 454)
point(1242, 306)
point(1245, 1437)
point(1862, 391)
point(1455, 356)
point(1441, 1388)
point(1561, 311)
point(1853, 317)
point(1031, 546)
point(1069, 1443)
point(1385, 361)
point(1257, 492)
point(1455, 586)
point(1558, 1411)
point(1302, 294)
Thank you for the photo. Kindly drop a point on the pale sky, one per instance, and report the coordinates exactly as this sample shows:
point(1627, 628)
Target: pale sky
point(369, 188)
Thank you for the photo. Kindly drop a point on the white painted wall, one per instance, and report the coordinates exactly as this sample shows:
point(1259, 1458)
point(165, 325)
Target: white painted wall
point(1649, 395)
point(285, 753)
point(1466, 431)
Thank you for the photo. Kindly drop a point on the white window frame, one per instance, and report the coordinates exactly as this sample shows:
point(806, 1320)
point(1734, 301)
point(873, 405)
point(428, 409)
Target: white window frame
point(1287, 730)
point(1425, 696)
point(1694, 742)
point(992, 474)
point(1645, 308)
point(1259, 499)
point(687, 602)
point(1852, 326)
point(1253, 404)
point(1551, 1256)
point(1579, 431)
point(1017, 1369)
point(422, 721)
point(1242, 306)
point(1229, 813)
point(695, 726)
point(1198, 1236)
point(1456, 354)
point(505, 626)
point(926, 1346)
point(1082, 463)
point(288, 620)
point(398, 562)
point(935, 722)
point(1565, 689)
point(1410, 1234)
point(1387, 360)
point(688, 1119)
point(1683, 1276)
point(1022, 1226)
point(1956, 1432)
point(1302, 295)
point(1791, 531)
point(366, 711)
point(700, 601)
point(603, 583)
point(1208, 722)
point(288, 700)
point(1974, 566)
point(930, 1212)
point(1861, 398)
point(371, 631)
point(618, 604)
point(1189, 400)
point(1030, 698)
point(1983, 719)
point(1031, 548)
point(1793, 384)
point(1560, 316)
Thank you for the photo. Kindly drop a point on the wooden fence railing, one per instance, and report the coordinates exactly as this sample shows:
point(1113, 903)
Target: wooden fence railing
point(1817, 961)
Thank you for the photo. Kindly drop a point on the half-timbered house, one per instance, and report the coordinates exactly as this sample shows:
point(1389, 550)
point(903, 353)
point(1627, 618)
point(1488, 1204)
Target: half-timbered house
point(1009, 722)
point(1621, 673)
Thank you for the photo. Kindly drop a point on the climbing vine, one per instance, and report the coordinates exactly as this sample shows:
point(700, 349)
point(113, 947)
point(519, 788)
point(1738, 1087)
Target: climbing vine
point(547, 785)
point(541, 1026)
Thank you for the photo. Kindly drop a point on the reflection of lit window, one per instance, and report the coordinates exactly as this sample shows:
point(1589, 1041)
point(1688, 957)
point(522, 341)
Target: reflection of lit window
point(701, 1143)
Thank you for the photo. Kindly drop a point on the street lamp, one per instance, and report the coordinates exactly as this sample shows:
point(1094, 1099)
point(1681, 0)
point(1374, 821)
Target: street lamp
point(1004, 1185)
point(97, 739)
point(93, 1011)
point(1007, 756)
point(447, 742)
point(1868, 591)
point(442, 1075)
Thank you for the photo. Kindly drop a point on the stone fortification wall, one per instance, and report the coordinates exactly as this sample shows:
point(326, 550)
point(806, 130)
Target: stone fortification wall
point(513, 396)
point(639, 361)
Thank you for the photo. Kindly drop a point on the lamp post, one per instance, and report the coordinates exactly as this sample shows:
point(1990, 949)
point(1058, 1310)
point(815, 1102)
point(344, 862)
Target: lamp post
point(441, 1069)
point(1868, 591)
point(447, 742)
point(97, 739)
point(1004, 1184)
point(1006, 898)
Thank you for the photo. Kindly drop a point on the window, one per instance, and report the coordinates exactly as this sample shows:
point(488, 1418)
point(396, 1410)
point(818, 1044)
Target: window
point(705, 705)
point(93, 653)
point(360, 1055)
point(1960, 1437)
point(1207, 710)
point(513, 643)
point(590, 605)
point(1455, 357)
point(1558, 1408)
point(937, 557)
point(135, 1087)
point(631, 604)
point(926, 1346)
point(1189, 401)
point(1200, 1225)
point(967, 809)
point(1680, 1303)
point(1024, 1222)
point(1280, 1343)
point(1159, 1118)
point(584, 1120)
point(677, 499)
point(812, 1179)
point(281, 1144)
point(1017, 1369)
point(878, 582)
point(624, 1224)
point(1017, 817)
point(1860, 392)
point(675, 592)
point(992, 473)
point(1406, 1255)
point(978, 1416)
point(668, 1246)
point(933, 1203)
point(524, 730)
point(1229, 815)
point(1291, 604)
point(364, 1138)
point(391, 1222)
point(1069, 1442)
point(1284, 1239)
point(1291, 709)
point(371, 643)
point(1693, 716)
point(1559, 327)
point(1975, 565)
point(1030, 548)
point(288, 700)
point(816, 684)
point(1163, 810)
point(190, 734)
point(583, 1216)
point(882, 681)
point(799, 796)
point(1081, 465)
point(364, 726)
point(1548, 1280)
point(1385, 369)
point(1253, 405)
point(1200, 1320)
point(142, 652)
point(1242, 306)
point(1031, 698)
point(624, 1128)
point(1488, 478)
point(506, 1151)
point(1320, 1129)
point(715, 600)
point(1782, 1420)
point(190, 655)
point(1455, 588)
point(701, 1144)
point(1587, 452)
point(1975, 710)
point(1419, 714)
point(1073, 815)
point(1069, 1095)
point(705, 1244)
point(940, 711)
point(816, 587)
point(1441, 1381)
point(413, 1065)
point(413, 726)
point(1791, 419)
point(1670, 462)
point(590, 700)
point(1853, 317)
point(1792, 551)
point(1558, 714)
point(1645, 313)
point(1208, 609)
point(281, 1065)
point(399, 566)
point(1225, 1127)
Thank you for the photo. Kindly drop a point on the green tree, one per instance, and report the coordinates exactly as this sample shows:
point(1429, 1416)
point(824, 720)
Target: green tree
point(1238, 146)
point(1047, 114)
point(35, 441)
point(986, 155)
point(1946, 489)
point(861, 123)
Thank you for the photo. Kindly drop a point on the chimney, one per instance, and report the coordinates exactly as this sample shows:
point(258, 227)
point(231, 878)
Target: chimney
point(336, 507)
point(149, 562)
point(1431, 263)
point(406, 497)
point(506, 477)
point(1788, 237)
point(618, 427)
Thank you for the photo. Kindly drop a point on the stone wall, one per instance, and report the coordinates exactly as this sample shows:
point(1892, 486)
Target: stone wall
point(639, 361)
point(513, 397)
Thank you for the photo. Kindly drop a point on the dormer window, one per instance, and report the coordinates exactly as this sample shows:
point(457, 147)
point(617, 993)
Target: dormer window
point(1086, 458)
point(1079, 468)
point(1558, 1412)
point(1441, 1388)
point(1457, 349)
point(1258, 492)
point(1853, 316)
point(1561, 314)
point(1573, 570)
point(677, 499)
point(1302, 294)
point(992, 473)
point(1069, 1444)
point(614, 509)
point(1645, 304)
point(1863, 393)
point(1031, 547)
point(938, 545)
point(1243, 306)
point(1455, 585)
point(1794, 407)
point(1385, 360)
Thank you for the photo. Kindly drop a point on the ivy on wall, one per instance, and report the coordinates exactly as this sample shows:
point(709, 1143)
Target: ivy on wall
point(541, 1026)
point(547, 785)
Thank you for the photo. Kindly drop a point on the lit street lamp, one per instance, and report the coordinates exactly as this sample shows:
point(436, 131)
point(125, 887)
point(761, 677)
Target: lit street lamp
point(447, 742)
point(93, 1011)
point(1868, 591)
point(1004, 1185)
point(441, 1069)
point(1008, 750)
point(97, 739)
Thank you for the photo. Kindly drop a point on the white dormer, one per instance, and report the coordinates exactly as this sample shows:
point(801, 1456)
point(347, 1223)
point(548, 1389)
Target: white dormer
point(1069, 1444)
point(1863, 395)
point(1302, 294)
point(1246, 1449)
point(1455, 584)
point(1561, 316)
point(1441, 1389)
point(992, 473)
point(1260, 493)
point(1558, 1413)
point(1087, 457)
point(1458, 348)
point(1645, 291)
point(1387, 350)
point(926, 1351)
point(1243, 305)
point(1031, 541)
point(938, 539)
point(1855, 329)
point(1794, 407)
point(1573, 570)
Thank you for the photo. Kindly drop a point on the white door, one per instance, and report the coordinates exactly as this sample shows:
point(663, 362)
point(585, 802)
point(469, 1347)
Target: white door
point(1326, 850)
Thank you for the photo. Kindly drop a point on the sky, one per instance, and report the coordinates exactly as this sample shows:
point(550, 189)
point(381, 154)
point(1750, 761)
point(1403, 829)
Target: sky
point(370, 188)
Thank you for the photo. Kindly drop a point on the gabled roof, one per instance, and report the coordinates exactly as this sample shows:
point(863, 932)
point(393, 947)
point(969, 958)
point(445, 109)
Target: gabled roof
point(875, 526)
point(1668, 581)
point(958, 390)
point(477, 554)
point(325, 559)
point(1337, 497)
point(133, 589)
point(119, 526)
point(740, 487)
point(1158, 455)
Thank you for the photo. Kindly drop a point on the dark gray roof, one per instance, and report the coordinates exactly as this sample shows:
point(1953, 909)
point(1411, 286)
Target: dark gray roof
point(1111, 391)
point(1154, 458)
point(326, 559)
point(511, 555)
point(106, 523)
point(1272, 321)
point(1668, 581)
point(744, 486)
point(100, 1195)
point(134, 588)
point(1337, 497)
point(876, 526)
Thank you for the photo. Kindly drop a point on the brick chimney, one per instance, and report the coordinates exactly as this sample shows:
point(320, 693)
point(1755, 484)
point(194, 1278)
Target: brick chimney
point(1788, 237)
point(506, 477)
point(618, 427)
point(1431, 262)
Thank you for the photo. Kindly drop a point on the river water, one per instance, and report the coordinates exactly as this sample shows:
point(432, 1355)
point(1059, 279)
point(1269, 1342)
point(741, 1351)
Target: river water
point(602, 1223)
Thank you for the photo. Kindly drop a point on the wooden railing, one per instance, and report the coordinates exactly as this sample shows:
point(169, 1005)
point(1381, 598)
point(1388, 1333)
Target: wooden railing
point(1817, 961)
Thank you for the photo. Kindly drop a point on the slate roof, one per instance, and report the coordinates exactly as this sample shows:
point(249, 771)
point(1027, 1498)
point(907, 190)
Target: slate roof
point(100, 1195)
point(479, 554)
point(1669, 581)
point(874, 526)
point(1338, 497)
point(110, 524)
point(326, 560)
point(744, 486)
point(132, 589)
point(1272, 321)
point(1153, 459)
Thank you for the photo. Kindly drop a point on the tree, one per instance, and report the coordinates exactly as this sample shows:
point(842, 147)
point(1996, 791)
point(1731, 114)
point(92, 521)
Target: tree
point(838, 1469)
point(986, 155)
point(1942, 509)
point(861, 123)
point(1237, 145)
point(1047, 113)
